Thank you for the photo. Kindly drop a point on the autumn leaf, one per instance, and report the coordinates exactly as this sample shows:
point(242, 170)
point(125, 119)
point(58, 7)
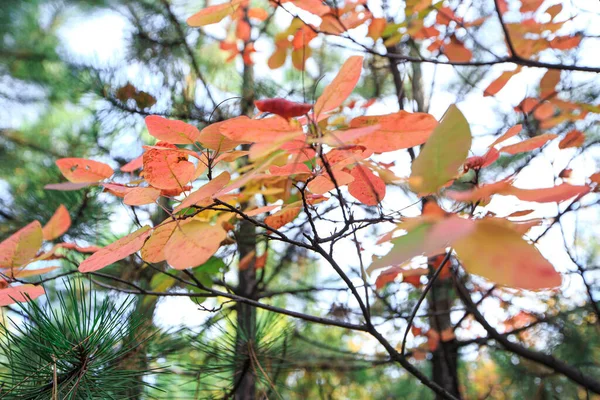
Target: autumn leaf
point(500, 82)
point(497, 252)
point(549, 82)
point(244, 129)
point(167, 168)
point(202, 196)
point(282, 107)
point(172, 131)
point(456, 51)
point(400, 130)
point(213, 14)
point(192, 244)
point(58, 224)
point(133, 165)
point(116, 251)
point(141, 195)
point(81, 170)
point(444, 152)
point(558, 193)
point(340, 88)
point(21, 294)
point(513, 131)
point(425, 239)
point(573, 138)
point(529, 144)
point(21, 246)
point(282, 217)
point(211, 138)
point(153, 249)
point(366, 187)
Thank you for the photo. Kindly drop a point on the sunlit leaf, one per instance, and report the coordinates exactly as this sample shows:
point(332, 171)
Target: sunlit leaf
point(192, 244)
point(444, 152)
point(58, 224)
point(340, 88)
point(497, 252)
point(367, 187)
point(202, 196)
point(21, 294)
point(213, 14)
point(167, 168)
point(573, 138)
point(116, 251)
point(172, 131)
point(529, 144)
point(282, 217)
point(21, 246)
point(141, 195)
point(81, 170)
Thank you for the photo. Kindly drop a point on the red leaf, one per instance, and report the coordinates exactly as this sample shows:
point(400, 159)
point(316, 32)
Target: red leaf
point(116, 251)
point(509, 133)
point(282, 107)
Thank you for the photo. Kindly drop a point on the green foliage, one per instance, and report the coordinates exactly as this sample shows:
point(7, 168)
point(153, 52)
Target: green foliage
point(74, 348)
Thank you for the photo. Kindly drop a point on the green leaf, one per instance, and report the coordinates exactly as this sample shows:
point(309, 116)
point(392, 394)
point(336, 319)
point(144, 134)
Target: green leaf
point(445, 151)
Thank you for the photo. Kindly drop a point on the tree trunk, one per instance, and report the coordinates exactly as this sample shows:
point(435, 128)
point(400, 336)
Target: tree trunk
point(244, 376)
point(445, 356)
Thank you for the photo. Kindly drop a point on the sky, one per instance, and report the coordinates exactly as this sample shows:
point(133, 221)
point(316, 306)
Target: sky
point(99, 38)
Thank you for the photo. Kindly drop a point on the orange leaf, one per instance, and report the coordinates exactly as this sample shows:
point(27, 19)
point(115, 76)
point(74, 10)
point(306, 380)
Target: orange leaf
point(172, 131)
point(141, 195)
point(340, 88)
point(574, 138)
point(192, 244)
point(20, 294)
point(289, 169)
point(203, 196)
point(244, 129)
point(116, 251)
point(58, 224)
point(509, 133)
point(530, 5)
point(323, 183)
point(456, 51)
point(211, 138)
point(565, 42)
point(214, 14)
point(21, 246)
point(543, 111)
point(80, 170)
point(134, 164)
point(480, 193)
point(500, 82)
point(367, 187)
point(558, 193)
point(549, 82)
point(282, 217)
point(497, 252)
point(167, 168)
point(529, 144)
point(153, 250)
point(376, 28)
point(397, 131)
